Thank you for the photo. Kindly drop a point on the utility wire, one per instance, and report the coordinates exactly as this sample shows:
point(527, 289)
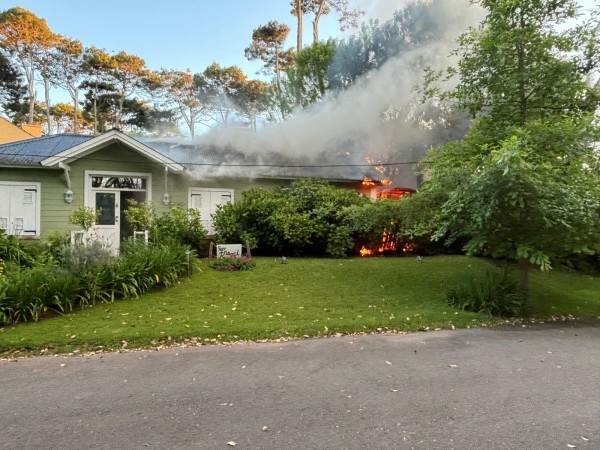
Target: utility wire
point(300, 166)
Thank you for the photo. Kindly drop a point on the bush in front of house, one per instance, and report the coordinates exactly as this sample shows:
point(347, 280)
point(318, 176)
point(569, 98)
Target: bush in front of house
point(232, 264)
point(31, 293)
point(78, 259)
point(178, 224)
point(84, 276)
point(301, 219)
point(14, 252)
point(495, 293)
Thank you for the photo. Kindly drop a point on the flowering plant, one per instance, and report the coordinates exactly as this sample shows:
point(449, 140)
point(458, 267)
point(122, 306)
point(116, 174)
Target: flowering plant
point(232, 263)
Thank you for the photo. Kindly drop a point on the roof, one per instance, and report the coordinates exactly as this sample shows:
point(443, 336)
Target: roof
point(33, 151)
point(200, 160)
point(214, 161)
point(9, 132)
point(51, 151)
point(104, 140)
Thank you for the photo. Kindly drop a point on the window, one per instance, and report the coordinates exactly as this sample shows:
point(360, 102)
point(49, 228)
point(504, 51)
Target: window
point(20, 208)
point(99, 182)
point(207, 202)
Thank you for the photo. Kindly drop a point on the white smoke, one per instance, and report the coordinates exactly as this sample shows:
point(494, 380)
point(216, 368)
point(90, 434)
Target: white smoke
point(378, 116)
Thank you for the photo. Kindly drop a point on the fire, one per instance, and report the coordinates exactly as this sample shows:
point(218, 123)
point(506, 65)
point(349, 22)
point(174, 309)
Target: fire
point(408, 248)
point(379, 168)
point(388, 242)
point(364, 251)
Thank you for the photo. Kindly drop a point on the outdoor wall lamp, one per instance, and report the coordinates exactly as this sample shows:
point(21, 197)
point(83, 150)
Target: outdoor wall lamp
point(68, 196)
point(166, 199)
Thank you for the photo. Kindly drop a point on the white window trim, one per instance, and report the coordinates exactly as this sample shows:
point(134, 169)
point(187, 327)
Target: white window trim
point(38, 187)
point(199, 190)
point(87, 192)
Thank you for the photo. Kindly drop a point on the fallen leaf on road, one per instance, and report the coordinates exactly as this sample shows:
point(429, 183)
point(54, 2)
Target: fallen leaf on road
point(231, 444)
point(585, 439)
point(452, 365)
point(265, 428)
point(571, 446)
point(388, 362)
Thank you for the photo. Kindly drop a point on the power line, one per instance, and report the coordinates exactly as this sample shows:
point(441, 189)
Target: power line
point(290, 166)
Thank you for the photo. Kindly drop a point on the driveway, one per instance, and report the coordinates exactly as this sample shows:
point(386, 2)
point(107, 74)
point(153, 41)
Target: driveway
point(534, 387)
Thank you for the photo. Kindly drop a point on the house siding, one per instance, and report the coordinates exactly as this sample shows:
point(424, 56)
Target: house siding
point(54, 211)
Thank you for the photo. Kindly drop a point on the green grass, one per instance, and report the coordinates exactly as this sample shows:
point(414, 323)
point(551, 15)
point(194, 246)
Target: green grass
point(306, 297)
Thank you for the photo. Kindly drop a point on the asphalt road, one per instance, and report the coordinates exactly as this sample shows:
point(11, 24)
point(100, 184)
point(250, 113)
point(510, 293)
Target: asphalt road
point(518, 388)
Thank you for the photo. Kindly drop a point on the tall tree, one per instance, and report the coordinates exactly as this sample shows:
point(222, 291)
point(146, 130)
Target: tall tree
point(223, 84)
point(298, 10)
point(12, 90)
point(349, 17)
point(129, 73)
point(267, 45)
point(307, 78)
point(25, 36)
point(69, 72)
point(102, 102)
point(252, 101)
point(184, 92)
point(97, 66)
point(45, 62)
point(524, 183)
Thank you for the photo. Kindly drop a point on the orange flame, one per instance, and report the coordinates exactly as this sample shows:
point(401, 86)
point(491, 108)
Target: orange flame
point(368, 182)
point(364, 251)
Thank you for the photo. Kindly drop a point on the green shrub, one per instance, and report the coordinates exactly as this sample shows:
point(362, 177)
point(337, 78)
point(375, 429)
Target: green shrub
point(495, 294)
point(87, 275)
point(33, 292)
point(232, 264)
point(163, 264)
point(178, 225)
point(77, 259)
point(183, 226)
point(84, 216)
point(141, 216)
point(56, 241)
point(12, 250)
point(301, 219)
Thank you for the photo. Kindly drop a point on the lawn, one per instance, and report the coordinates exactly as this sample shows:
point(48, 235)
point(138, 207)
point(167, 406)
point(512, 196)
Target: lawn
point(305, 297)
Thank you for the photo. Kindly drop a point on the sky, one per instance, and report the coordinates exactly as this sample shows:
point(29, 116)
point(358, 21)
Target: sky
point(177, 34)
point(185, 34)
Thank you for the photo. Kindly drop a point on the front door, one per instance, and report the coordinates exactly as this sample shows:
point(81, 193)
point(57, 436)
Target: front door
point(107, 227)
point(111, 194)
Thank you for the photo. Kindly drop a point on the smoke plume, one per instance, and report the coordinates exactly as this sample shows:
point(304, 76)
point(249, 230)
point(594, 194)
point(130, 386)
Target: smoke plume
point(378, 117)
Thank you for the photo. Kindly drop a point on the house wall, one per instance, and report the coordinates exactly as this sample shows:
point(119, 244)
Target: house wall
point(115, 158)
point(53, 210)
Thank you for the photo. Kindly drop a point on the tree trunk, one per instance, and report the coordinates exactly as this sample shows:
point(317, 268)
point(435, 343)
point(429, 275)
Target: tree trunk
point(300, 15)
point(316, 21)
point(524, 268)
point(75, 108)
point(120, 113)
point(31, 91)
point(522, 69)
point(96, 110)
point(47, 97)
point(277, 74)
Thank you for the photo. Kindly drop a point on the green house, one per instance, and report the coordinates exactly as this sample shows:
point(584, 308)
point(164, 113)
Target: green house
point(43, 179)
